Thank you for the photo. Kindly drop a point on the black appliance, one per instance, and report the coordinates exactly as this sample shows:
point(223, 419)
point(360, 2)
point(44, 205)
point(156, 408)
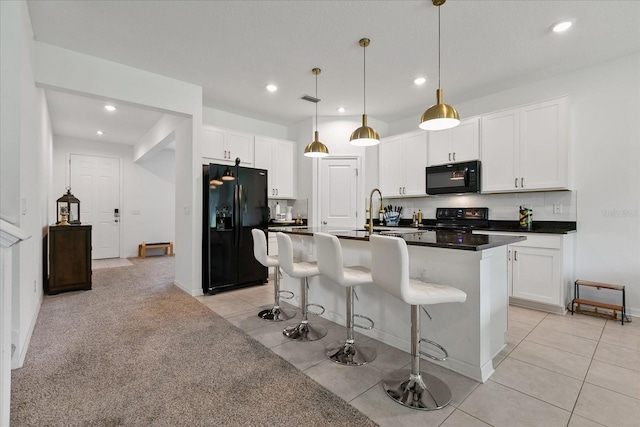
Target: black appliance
point(454, 178)
point(230, 211)
point(459, 219)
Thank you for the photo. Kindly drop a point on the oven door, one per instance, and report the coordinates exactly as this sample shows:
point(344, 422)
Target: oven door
point(453, 178)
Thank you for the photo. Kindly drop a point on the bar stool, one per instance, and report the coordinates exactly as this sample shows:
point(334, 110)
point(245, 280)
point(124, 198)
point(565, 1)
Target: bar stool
point(275, 314)
point(304, 331)
point(330, 263)
point(390, 271)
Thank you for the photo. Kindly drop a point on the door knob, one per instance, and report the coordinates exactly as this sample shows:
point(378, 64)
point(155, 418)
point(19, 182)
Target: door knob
point(324, 222)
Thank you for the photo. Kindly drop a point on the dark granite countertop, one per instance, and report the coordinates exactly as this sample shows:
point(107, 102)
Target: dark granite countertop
point(438, 239)
point(548, 227)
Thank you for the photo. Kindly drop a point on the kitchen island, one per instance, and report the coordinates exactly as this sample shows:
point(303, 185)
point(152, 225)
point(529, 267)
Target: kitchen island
point(472, 332)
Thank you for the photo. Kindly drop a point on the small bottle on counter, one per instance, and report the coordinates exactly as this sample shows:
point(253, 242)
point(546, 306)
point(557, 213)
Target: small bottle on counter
point(414, 218)
point(419, 217)
point(277, 210)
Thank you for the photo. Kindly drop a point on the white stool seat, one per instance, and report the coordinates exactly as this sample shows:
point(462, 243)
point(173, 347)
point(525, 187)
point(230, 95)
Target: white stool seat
point(260, 251)
point(390, 270)
point(304, 331)
point(424, 293)
point(330, 262)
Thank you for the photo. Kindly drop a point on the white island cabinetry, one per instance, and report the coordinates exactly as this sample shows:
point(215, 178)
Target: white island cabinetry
point(276, 156)
point(526, 148)
point(224, 146)
point(402, 163)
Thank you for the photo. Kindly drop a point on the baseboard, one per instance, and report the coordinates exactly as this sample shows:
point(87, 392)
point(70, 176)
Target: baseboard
point(17, 359)
point(193, 293)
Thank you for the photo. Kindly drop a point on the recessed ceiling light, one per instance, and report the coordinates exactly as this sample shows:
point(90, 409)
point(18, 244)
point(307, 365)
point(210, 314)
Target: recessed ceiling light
point(272, 88)
point(341, 109)
point(110, 108)
point(420, 81)
point(100, 132)
point(562, 26)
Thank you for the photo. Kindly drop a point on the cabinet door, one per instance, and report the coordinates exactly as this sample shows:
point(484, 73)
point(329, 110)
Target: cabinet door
point(439, 147)
point(283, 168)
point(544, 145)
point(536, 274)
point(263, 152)
point(415, 162)
point(390, 153)
point(240, 145)
point(213, 143)
point(465, 140)
point(500, 152)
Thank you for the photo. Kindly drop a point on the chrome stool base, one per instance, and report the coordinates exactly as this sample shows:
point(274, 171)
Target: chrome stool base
point(345, 353)
point(422, 391)
point(277, 314)
point(305, 332)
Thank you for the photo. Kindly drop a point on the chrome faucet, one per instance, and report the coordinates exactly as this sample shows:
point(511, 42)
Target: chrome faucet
point(381, 212)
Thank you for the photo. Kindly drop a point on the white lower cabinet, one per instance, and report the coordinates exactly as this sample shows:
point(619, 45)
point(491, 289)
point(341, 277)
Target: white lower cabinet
point(541, 271)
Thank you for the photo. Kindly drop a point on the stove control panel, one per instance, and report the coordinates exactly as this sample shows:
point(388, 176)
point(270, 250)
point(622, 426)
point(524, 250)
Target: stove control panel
point(470, 214)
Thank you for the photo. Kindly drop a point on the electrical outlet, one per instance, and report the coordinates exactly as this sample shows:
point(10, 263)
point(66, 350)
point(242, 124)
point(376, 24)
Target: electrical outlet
point(557, 208)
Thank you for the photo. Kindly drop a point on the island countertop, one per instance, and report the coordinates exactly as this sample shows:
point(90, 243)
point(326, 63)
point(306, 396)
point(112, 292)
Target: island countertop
point(438, 239)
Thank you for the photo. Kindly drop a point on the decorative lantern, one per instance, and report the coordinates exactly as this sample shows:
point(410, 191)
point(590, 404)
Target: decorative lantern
point(72, 205)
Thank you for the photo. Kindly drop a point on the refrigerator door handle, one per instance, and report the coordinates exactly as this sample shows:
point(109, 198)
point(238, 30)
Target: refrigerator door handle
point(238, 218)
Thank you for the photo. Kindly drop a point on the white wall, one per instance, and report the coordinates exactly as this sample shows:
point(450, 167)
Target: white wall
point(215, 117)
point(147, 199)
point(604, 117)
point(25, 149)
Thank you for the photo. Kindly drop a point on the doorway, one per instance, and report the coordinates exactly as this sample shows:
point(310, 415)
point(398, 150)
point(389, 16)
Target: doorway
point(95, 181)
point(339, 192)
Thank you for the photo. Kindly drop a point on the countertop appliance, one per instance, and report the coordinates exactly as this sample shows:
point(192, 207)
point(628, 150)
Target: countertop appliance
point(230, 211)
point(459, 219)
point(454, 178)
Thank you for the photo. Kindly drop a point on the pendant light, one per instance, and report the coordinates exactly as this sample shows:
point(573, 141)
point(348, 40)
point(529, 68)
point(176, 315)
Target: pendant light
point(364, 136)
point(228, 175)
point(217, 180)
point(439, 116)
point(316, 148)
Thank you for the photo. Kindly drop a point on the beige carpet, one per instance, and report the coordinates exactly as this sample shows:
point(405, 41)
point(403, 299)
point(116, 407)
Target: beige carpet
point(137, 351)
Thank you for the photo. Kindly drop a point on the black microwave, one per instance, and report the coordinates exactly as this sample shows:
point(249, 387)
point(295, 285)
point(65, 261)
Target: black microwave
point(454, 178)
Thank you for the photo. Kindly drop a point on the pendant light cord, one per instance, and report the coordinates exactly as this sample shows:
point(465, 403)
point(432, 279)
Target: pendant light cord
point(316, 103)
point(439, 26)
point(364, 80)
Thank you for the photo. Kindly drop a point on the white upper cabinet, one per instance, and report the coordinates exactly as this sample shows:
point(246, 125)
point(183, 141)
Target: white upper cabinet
point(276, 156)
point(402, 163)
point(458, 144)
point(526, 148)
point(223, 145)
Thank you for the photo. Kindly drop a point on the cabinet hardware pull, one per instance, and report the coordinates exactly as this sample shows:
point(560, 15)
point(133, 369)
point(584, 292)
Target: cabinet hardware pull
point(277, 192)
point(515, 255)
point(516, 182)
point(399, 190)
point(508, 255)
point(522, 182)
point(449, 156)
point(454, 156)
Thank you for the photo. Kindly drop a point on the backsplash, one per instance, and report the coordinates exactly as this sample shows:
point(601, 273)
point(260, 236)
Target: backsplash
point(501, 206)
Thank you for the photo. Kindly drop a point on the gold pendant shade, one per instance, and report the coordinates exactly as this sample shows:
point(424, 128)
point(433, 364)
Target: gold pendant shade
point(439, 116)
point(316, 148)
point(364, 136)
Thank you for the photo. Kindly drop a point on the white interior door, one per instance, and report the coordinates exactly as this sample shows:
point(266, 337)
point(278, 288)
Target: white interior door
point(95, 181)
point(339, 192)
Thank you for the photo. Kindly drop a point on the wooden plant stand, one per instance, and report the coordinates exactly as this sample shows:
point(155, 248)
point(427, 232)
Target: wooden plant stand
point(612, 309)
point(142, 248)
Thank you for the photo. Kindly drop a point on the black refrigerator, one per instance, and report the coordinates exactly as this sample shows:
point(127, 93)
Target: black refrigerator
point(230, 211)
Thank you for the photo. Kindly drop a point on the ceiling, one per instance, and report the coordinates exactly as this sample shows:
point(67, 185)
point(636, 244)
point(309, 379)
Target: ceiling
point(233, 49)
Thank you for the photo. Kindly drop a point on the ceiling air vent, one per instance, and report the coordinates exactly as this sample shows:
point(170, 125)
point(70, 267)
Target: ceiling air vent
point(310, 98)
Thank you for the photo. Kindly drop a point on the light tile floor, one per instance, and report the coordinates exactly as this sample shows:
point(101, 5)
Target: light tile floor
point(555, 371)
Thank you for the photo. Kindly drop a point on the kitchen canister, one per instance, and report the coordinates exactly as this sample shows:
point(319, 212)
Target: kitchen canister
point(526, 218)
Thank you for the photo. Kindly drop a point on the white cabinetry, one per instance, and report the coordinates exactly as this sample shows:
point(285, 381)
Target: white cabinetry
point(402, 162)
point(541, 271)
point(276, 156)
point(526, 148)
point(458, 144)
point(223, 145)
